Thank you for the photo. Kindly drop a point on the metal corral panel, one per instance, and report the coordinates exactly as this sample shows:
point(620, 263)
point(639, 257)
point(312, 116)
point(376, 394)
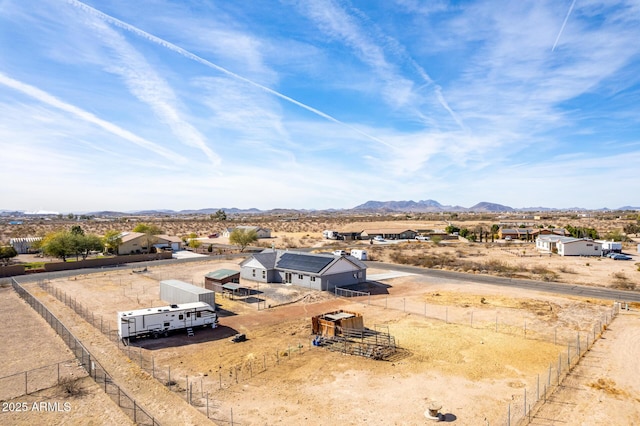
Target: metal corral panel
point(175, 292)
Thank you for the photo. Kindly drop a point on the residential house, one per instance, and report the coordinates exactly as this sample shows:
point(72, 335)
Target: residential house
point(137, 242)
point(390, 233)
point(568, 246)
point(260, 231)
point(315, 271)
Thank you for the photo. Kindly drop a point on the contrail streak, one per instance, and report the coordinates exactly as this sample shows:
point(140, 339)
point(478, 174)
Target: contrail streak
point(51, 100)
point(566, 18)
point(196, 58)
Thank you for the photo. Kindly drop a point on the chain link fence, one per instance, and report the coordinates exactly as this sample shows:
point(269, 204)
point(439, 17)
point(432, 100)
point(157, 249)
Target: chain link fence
point(41, 378)
point(126, 403)
point(524, 406)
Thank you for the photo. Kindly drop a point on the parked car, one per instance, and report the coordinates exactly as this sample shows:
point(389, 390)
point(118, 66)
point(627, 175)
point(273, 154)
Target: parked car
point(339, 253)
point(214, 235)
point(422, 238)
point(378, 238)
point(619, 256)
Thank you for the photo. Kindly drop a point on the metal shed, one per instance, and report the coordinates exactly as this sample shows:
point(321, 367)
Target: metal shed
point(175, 292)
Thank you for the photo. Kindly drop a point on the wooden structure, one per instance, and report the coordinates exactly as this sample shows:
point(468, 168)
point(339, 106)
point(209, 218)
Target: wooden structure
point(221, 276)
point(332, 324)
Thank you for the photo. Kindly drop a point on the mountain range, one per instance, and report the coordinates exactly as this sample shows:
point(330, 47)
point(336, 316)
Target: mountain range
point(410, 206)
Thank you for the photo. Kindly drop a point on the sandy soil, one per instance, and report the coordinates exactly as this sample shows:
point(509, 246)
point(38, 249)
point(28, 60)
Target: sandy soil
point(32, 344)
point(452, 355)
point(604, 389)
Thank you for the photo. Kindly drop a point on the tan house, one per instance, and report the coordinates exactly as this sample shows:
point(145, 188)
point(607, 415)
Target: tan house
point(138, 242)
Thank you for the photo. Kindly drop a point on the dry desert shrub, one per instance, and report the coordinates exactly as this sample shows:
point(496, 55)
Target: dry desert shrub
point(622, 282)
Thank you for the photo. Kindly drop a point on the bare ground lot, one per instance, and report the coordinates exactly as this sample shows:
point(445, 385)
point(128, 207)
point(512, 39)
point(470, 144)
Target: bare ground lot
point(452, 355)
point(29, 343)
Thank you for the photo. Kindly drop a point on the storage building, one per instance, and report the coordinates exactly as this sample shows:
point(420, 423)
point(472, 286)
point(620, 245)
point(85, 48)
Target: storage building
point(175, 292)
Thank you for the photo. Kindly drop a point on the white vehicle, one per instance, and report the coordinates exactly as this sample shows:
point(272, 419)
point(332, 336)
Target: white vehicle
point(330, 235)
point(359, 254)
point(378, 238)
point(160, 321)
point(422, 238)
point(339, 253)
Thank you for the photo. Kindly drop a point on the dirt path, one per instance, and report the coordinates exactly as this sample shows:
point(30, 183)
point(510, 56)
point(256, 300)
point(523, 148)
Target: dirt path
point(604, 389)
point(167, 407)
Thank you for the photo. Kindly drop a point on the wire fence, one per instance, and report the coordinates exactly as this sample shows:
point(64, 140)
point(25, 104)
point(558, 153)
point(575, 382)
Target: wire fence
point(40, 378)
point(524, 406)
point(126, 403)
point(199, 390)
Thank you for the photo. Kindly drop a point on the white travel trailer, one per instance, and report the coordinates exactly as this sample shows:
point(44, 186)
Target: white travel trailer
point(330, 235)
point(160, 321)
point(359, 254)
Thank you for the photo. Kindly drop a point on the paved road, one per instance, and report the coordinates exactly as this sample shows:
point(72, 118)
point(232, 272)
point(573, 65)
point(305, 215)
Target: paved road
point(549, 287)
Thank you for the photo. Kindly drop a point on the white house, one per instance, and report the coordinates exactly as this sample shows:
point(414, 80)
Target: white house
point(568, 246)
point(262, 232)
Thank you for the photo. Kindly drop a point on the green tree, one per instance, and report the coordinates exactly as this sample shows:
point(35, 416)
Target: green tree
point(194, 244)
point(631, 228)
point(464, 232)
point(85, 244)
point(6, 254)
point(112, 240)
point(150, 231)
point(615, 236)
point(220, 216)
point(77, 230)
point(59, 244)
point(450, 229)
point(243, 237)
point(63, 244)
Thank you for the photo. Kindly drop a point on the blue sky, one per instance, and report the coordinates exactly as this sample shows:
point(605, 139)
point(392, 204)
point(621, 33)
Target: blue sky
point(125, 105)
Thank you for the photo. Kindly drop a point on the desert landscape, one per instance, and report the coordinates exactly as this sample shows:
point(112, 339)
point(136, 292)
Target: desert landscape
point(481, 352)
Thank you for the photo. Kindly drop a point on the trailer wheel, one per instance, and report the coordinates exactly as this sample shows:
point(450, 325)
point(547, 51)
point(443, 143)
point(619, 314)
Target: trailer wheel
point(166, 334)
point(155, 335)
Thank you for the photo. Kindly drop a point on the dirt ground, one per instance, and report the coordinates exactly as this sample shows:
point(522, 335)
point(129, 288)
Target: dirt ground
point(31, 345)
point(471, 348)
point(452, 354)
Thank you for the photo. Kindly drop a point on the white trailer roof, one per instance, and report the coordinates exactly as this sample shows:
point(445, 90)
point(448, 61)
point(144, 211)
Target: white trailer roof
point(170, 308)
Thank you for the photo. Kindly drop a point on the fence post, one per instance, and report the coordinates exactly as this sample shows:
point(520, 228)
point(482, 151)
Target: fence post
point(26, 388)
point(207, 404)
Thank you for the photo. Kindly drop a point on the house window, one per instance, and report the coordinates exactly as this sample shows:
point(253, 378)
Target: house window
point(299, 276)
point(180, 316)
point(254, 272)
point(198, 314)
point(188, 314)
point(313, 279)
point(264, 275)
